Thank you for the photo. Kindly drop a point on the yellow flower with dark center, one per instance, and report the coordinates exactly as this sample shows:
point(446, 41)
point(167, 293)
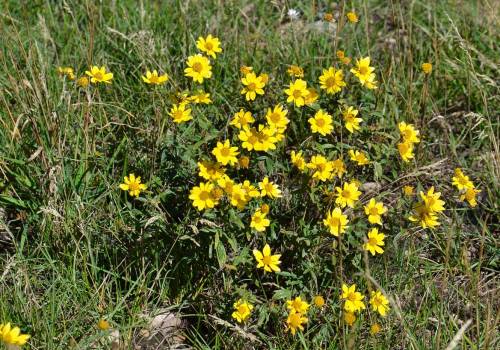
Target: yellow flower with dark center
point(424, 215)
point(298, 305)
point(245, 70)
point(408, 191)
point(321, 166)
point(297, 92)
point(259, 221)
point(239, 196)
point(154, 78)
point(244, 162)
point(295, 71)
point(210, 45)
point(319, 301)
point(103, 325)
point(253, 86)
point(312, 96)
point(99, 75)
point(408, 133)
point(210, 170)
point(379, 303)
point(180, 113)
point(83, 82)
point(470, 196)
point(336, 222)
point(406, 151)
point(266, 138)
point(295, 321)
point(242, 119)
point(364, 72)
point(321, 123)
point(66, 71)
point(349, 318)
point(332, 80)
point(353, 300)
point(198, 68)
point(358, 157)
point(347, 195)
point(225, 154)
point(249, 138)
point(12, 335)
point(226, 184)
point(242, 310)
point(200, 97)
point(374, 242)
point(269, 189)
point(461, 181)
point(266, 260)
point(203, 196)
point(351, 121)
point(298, 160)
point(374, 210)
point(352, 17)
point(427, 68)
point(432, 201)
point(133, 185)
point(338, 167)
point(277, 117)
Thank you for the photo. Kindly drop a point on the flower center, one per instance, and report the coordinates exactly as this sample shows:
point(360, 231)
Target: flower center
point(98, 76)
point(372, 241)
point(363, 70)
point(209, 46)
point(133, 186)
point(346, 194)
point(275, 118)
point(251, 86)
point(320, 122)
point(225, 152)
point(266, 260)
point(204, 195)
point(330, 81)
point(373, 211)
point(197, 67)
point(351, 297)
point(297, 93)
point(257, 219)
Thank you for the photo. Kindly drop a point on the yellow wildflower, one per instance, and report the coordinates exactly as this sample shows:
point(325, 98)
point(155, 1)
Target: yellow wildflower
point(133, 185)
point(243, 310)
point(99, 75)
point(210, 45)
point(198, 68)
point(154, 78)
point(375, 242)
point(266, 260)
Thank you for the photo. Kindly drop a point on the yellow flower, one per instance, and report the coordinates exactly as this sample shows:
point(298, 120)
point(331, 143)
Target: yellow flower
point(298, 160)
point(346, 60)
point(249, 138)
point(408, 191)
point(323, 168)
point(268, 188)
point(259, 221)
point(67, 71)
point(267, 137)
point(154, 78)
point(353, 300)
point(210, 45)
point(297, 92)
point(245, 70)
point(133, 185)
point(239, 196)
point(375, 242)
point(83, 82)
point(423, 214)
point(328, 17)
point(201, 97)
point(350, 119)
point(379, 303)
point(244, 162)
point(266, 260)
point(336, 222)
point(243, 309)
point(338, 167)
point(406, 151)
point(295, 71)
point(432, 201)
point(470, 196)
point(203, 196)
point(180, 114)
point(340, 54)
point(264, 77)
point(242, 119)
point(12, 335)
point(312, 96)
point(375, 328)
point(264, 208)
point(251, 190)
point(253, 86)
point(358, 157)
point(225, 154)
point(99, 75)
point(352, 17)
point(461, 181)
point(375, 210)
point(408, 133)
point(364, 72)
point(332, 80)
point(295, 321)
point(298, 305)
point(103, 325)
point(349, 318)
point(198, 69)
point(226, 184)
point(277, 117)
point(210, 170)
point(321, 123)
point(319, 301)
point(427, 67)
point(348, 195)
